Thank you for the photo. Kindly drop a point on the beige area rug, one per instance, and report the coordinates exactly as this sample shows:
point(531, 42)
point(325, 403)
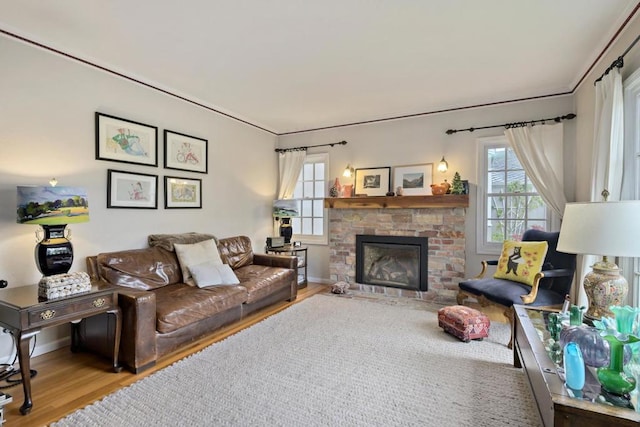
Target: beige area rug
point(332, 361)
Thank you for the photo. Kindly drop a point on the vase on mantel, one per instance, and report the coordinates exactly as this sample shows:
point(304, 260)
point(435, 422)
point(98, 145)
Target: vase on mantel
point(335, 189)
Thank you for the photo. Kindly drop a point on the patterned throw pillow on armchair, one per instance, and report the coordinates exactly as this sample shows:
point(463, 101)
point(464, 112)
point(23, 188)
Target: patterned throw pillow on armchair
point(521, 261)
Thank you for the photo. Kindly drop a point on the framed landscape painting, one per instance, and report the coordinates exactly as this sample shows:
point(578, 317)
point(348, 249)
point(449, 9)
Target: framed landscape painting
point(415, 180)
point(121, 140)
point(182, 193)
point(184, 152)
point(373, 181)
point(131, 190)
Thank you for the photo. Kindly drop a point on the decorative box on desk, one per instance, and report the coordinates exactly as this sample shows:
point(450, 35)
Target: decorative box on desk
point(63, 285)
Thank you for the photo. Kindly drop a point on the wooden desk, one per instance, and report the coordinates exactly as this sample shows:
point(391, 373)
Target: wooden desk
point(24, 314)
point(555, 404)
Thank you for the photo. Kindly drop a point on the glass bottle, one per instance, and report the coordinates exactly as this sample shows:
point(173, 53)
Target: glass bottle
point(573, 366)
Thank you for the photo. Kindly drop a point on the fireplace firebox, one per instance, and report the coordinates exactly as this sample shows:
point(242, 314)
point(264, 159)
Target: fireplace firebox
point(394, 261)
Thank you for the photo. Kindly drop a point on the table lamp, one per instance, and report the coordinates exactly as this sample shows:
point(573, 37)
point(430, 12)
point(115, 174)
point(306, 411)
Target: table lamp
point(284, 210)
point(52, 208)
point(607, 229)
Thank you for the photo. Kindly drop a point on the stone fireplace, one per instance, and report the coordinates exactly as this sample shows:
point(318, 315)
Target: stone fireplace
point(394, 261)
point(438, 219)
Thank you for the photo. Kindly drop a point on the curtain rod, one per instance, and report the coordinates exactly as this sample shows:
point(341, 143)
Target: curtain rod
point(619, 61)
point(515, 124)
point(284, 150)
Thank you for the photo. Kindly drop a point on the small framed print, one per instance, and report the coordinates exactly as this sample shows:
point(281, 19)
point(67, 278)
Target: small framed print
point(182, 193)
point(373, 181)
point(415, 180)
point(131, 190)
point(121, 140)
point(184, 152)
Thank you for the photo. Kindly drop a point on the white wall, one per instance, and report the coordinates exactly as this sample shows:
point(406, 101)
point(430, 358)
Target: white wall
point(423, 140)
point(47, 106)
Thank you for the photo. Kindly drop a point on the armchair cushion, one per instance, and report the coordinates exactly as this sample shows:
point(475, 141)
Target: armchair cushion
point(507, 293)
point(520, 261)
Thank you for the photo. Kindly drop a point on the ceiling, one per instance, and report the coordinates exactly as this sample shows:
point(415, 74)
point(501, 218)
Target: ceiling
point(291, 65)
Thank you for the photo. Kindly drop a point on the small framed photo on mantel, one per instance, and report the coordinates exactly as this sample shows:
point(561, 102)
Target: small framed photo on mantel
point(414, 180)
point(373, 181)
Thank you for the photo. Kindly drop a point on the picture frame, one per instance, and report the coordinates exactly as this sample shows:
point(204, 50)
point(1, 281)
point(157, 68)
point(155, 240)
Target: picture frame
point(131, 190)
point(125, 141)
point(373, 181)
point(182, 193)
point(415, 180)
point(184, 152)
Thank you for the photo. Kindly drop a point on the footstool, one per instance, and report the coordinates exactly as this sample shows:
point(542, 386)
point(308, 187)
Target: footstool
point(463, 322)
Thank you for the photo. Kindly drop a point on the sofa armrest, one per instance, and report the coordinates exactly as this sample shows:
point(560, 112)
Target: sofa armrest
point(284, 261)
point(138, 339)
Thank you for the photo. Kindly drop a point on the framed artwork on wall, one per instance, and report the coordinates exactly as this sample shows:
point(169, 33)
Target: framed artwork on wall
point(182, 193)
point(131, 190)
point(373, 181)
point(184, 152)
point(415, 180)
point(121, 140)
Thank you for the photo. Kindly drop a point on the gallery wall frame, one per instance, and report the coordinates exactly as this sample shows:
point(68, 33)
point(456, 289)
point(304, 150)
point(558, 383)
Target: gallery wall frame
point(131, 190)
point(184, 152)
point(125, 141)
point(415, 180)
point(182, 193)
point(373, 181)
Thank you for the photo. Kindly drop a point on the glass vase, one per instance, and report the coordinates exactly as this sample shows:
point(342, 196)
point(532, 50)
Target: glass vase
point(613, 378)
point(573, 366)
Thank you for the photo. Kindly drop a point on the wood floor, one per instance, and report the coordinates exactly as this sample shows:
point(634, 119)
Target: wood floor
point(68, 381)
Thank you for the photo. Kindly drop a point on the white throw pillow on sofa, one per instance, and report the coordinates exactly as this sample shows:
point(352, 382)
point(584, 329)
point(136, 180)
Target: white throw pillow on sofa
point(211, 274)
point(194, 254)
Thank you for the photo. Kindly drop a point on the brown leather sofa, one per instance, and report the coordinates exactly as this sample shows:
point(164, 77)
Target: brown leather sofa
point(160, 314)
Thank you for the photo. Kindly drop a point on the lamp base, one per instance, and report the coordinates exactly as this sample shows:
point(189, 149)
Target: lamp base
point(286, 230)
point(54, 253)
point(604, 287)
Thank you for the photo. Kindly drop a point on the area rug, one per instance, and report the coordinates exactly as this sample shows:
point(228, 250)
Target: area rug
point(332, 361)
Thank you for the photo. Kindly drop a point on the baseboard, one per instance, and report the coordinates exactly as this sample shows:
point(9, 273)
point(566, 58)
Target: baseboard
point(321, 281)
point(51, 346)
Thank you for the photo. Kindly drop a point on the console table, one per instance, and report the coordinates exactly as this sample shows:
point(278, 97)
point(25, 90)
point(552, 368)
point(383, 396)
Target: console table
point(24, 314)
point(556, 405)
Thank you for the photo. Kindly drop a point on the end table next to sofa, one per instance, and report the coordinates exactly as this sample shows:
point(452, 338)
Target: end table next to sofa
point(24, 314)
point(298, 251)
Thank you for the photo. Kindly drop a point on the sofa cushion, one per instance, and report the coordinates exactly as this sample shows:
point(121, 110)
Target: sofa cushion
point(146, 269)
point(180, 305)
point(236, 251)
point(166, 241)
point(521, 261)
point(210, 273)
point(196, 253)
point(261, 280)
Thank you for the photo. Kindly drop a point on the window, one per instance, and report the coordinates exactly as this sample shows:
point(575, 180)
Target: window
point(509, 203)
point(311, 226)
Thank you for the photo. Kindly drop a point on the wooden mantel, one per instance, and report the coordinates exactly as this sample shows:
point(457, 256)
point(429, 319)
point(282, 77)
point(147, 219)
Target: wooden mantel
point(398, 202)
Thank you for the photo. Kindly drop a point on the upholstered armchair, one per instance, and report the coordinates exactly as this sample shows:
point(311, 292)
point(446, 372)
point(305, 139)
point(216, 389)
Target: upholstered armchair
point(548, 287)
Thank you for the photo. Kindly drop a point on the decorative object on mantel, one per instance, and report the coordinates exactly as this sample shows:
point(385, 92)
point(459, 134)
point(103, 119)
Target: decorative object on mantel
point(456, 185)
point(335, 189)
point(373, 181)
point(399, 191)
point(413, 180)
point(439, 189)
point(52, 208)
point(347, 190)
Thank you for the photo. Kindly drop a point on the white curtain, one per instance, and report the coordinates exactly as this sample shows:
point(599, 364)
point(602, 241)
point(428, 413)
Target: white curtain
point(539, 150)
point(290, 164)
point(607, 155)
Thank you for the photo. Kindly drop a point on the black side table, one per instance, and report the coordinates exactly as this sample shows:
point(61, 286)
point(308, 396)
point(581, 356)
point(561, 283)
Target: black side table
point(24, 314)
point(299, 252)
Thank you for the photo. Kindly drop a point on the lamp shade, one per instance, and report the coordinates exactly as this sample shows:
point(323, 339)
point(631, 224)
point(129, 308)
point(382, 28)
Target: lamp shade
point(285, 208)
point(51, 205)
point(601, 228)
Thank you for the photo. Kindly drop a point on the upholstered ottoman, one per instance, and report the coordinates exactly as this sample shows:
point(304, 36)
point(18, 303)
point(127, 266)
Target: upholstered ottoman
point(463, 322)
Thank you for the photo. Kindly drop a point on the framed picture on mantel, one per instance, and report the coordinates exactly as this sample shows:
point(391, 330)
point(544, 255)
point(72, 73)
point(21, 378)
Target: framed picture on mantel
point(373, 181)
point(415, 180)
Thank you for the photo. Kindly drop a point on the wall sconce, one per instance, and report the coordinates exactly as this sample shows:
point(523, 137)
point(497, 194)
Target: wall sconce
point(348, 171)
point(443, 165)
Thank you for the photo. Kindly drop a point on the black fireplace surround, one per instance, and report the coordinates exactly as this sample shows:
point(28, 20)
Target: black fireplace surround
point(393, 261)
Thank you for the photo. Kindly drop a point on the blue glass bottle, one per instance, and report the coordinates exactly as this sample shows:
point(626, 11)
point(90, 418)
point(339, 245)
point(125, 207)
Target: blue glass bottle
point(573, 366)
